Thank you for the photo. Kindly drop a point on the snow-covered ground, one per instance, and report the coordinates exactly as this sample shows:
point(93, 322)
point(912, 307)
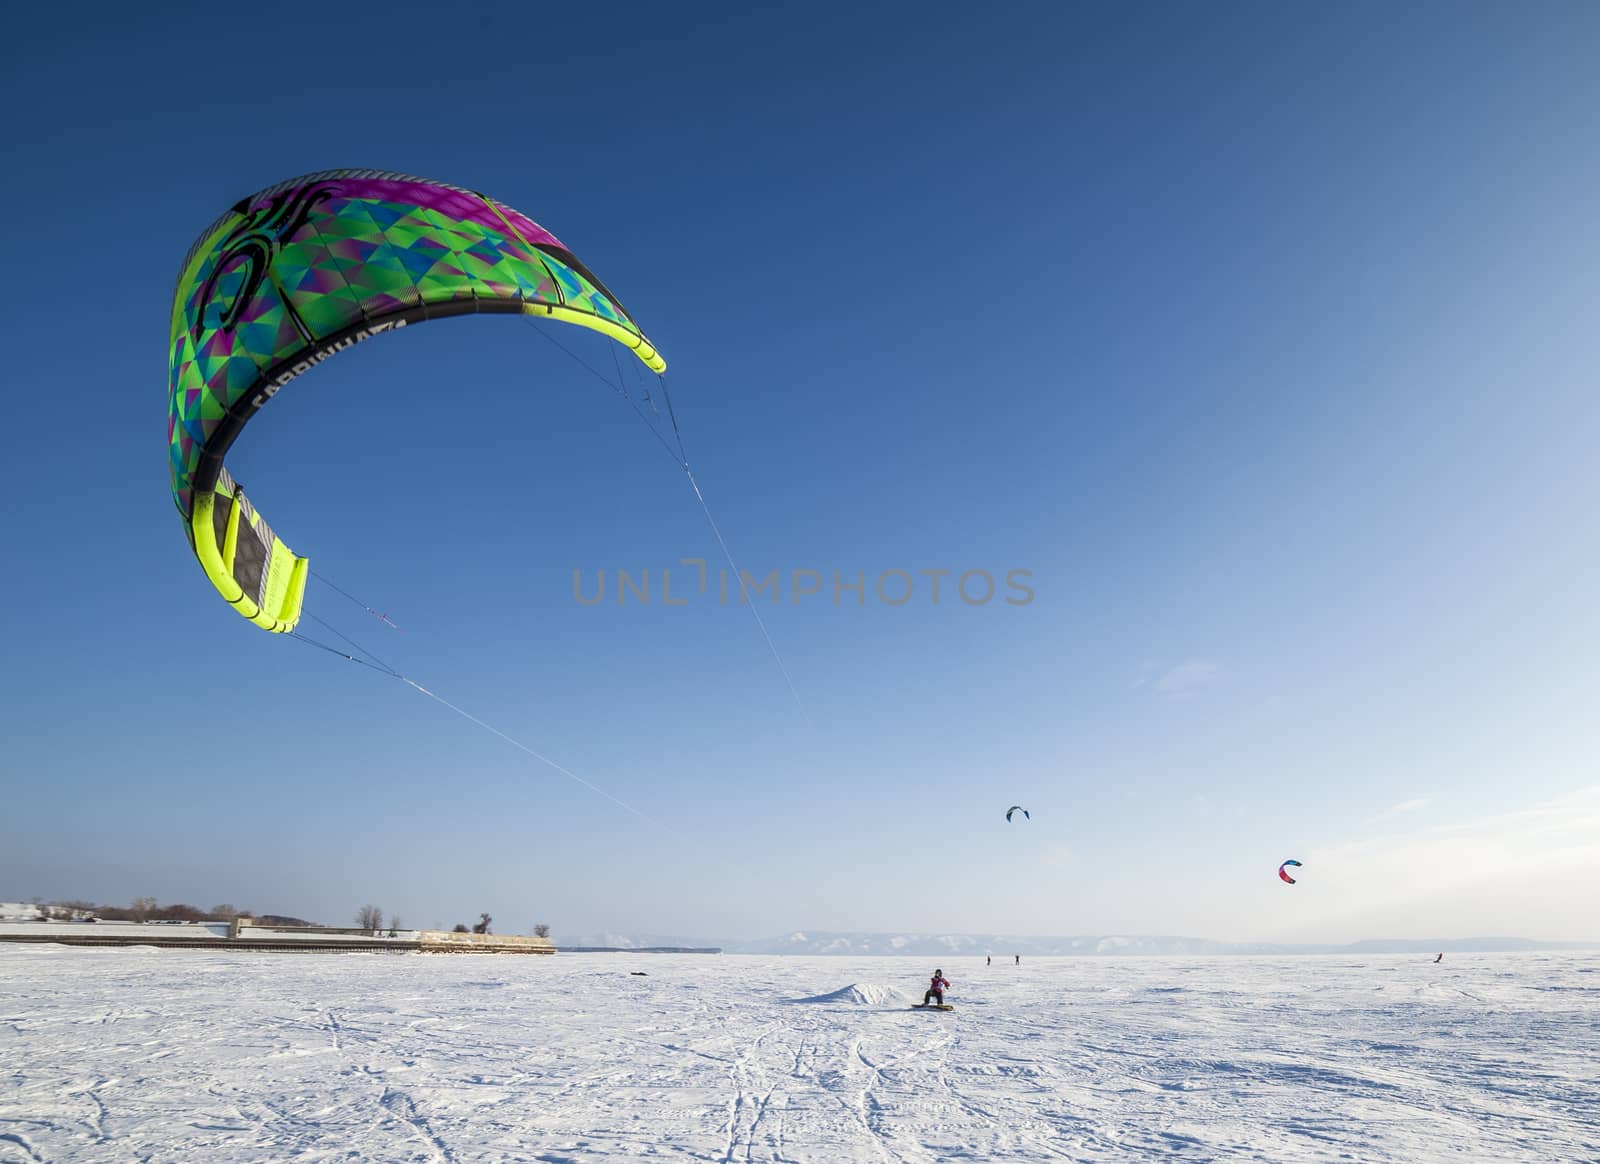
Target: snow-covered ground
point(137, 1054)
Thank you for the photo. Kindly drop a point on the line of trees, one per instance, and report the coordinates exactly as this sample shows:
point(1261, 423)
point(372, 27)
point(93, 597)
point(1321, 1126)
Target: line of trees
point(370, 918)
point(143, 909)
point(147, 909)
point(485, 921)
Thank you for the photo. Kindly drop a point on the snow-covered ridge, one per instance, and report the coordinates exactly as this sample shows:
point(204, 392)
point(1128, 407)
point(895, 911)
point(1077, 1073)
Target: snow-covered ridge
point(861, 994)
point(1007, 946)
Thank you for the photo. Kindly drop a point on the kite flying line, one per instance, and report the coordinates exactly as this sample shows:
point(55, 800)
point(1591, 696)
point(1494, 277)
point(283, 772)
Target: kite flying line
point(373, 662)
point(681, 459)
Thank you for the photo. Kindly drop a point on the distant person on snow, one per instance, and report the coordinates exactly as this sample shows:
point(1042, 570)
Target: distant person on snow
point(936, 989)
point(988, 960)
point(1018, 957)
point(1439, 959)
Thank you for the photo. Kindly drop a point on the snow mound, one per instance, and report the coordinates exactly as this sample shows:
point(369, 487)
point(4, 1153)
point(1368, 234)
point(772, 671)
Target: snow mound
point(861, 994)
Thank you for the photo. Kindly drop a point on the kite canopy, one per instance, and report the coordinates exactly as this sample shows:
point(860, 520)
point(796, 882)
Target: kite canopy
point(1283, 870)
point(1018, 808)
point(304, 269)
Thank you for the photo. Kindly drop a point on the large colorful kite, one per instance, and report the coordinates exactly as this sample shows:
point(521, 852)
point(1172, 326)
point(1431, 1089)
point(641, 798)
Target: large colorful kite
point(304, 269)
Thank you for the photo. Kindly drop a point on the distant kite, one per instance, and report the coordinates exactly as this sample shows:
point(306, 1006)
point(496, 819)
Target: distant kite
point(1283, 870)
point(1018, 808)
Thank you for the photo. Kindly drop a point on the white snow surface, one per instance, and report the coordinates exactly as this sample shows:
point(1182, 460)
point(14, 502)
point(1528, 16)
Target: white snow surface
point(177, 1055)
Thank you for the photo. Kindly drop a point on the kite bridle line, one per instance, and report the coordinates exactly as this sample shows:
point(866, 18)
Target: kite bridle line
point(331, 585)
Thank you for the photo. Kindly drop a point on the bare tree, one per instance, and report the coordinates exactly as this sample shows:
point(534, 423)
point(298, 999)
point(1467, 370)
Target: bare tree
point(369, 918)
point(224, 912)
point(483, 924)
point(179, 911)
point(541, 930)
point(395, 925)
point(142, 907)
point(461, 928)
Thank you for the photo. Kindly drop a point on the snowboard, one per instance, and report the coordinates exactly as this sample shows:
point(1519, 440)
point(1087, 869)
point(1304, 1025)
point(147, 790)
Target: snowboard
point(931, 1006)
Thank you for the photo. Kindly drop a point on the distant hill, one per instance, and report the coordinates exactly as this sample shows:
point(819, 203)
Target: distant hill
point(654, 942)
point(923, 945)
point(641, 949)
point(1004, 945)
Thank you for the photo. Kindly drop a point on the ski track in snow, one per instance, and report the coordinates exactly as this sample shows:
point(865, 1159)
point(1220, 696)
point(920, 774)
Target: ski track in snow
point(141, 1054)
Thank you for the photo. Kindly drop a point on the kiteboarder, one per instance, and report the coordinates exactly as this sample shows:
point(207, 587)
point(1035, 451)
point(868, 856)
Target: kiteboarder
point(1439, 959)
point(936, 989)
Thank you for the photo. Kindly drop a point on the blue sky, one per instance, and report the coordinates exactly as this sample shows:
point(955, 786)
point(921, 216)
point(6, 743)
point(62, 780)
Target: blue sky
point(1262, 337)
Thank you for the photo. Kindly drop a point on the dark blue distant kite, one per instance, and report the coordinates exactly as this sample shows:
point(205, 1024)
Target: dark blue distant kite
point(1017, 808)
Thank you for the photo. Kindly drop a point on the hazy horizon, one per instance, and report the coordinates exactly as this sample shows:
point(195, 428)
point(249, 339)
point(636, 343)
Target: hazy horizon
point(920, 943)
